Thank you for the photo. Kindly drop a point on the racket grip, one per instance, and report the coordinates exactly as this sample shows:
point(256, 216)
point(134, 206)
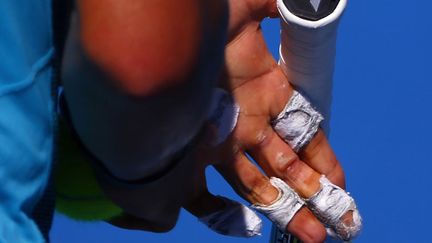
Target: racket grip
point(307, 51)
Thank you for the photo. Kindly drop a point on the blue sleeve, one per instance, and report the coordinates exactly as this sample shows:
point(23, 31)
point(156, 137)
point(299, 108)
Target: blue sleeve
point(26, 115)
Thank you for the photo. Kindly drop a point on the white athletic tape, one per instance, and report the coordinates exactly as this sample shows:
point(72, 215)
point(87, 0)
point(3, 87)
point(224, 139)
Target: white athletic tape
point(298, 122)
point(234, 220)
point(284, 208)
point(223, 114)
point(307, 55)
point(329, 204)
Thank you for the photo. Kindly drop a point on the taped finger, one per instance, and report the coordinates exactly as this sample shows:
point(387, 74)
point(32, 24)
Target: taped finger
point(273, 198)
point(297, 125)
point(283, 209)
point(336, 209)
point(298, 122)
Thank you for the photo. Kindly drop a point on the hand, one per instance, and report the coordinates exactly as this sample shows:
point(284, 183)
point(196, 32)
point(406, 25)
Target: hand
point(262, 90)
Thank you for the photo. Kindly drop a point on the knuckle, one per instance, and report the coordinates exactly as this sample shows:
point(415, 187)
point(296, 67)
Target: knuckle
point(317, 236)
point(312, 233)
point(284, 160)
point(259, 184)
point(262, 138)
point(292, 168)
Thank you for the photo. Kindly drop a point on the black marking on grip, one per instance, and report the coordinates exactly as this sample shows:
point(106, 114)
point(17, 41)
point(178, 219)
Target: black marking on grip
point(311, 9)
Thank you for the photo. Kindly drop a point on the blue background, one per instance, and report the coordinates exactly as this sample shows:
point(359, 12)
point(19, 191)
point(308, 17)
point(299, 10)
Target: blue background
point(381, 130)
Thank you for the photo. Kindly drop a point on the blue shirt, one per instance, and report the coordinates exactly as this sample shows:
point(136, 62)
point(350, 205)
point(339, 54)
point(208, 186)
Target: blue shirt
point(26, 114)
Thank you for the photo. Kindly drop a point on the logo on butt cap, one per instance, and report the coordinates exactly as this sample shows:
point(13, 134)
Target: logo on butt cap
point(315, 4)
point(311, 9)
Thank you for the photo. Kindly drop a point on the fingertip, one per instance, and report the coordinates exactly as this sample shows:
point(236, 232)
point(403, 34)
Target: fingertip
point(306, 227)
point(314, 232)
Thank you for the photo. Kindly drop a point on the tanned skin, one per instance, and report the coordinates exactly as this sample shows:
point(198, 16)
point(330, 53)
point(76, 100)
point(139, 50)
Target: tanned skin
point(144, 48)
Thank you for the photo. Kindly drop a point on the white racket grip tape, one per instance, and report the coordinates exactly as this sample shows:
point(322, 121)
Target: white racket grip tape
point(307, 55)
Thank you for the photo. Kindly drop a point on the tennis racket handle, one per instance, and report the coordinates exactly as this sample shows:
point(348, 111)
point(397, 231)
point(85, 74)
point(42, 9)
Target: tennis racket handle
point(307, 51)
